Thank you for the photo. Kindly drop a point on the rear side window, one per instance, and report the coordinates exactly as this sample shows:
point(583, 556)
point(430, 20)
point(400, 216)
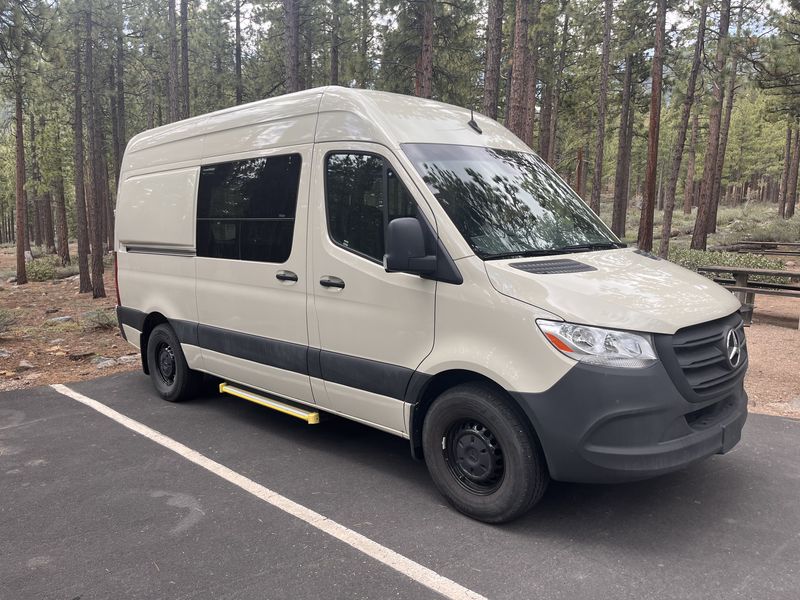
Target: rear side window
point(246, 208)
point(363, 193)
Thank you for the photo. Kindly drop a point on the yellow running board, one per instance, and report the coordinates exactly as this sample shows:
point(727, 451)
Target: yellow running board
point(310, 417)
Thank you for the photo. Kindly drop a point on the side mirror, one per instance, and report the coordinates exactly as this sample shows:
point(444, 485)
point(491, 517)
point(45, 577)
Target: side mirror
point(405, 248)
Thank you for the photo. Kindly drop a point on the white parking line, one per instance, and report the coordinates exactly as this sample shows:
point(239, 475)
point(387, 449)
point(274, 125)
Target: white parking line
point(413, 570)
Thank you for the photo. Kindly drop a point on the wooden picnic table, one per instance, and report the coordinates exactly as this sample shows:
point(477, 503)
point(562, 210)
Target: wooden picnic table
point(745, 290)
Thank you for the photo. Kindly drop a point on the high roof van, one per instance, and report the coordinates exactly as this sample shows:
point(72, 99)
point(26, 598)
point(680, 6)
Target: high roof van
point(417, 268)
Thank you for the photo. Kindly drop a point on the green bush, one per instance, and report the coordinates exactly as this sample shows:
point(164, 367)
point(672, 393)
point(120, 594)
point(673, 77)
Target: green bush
point(42, 269)
point(7, 319)
point(692, 259)
point(99, 319)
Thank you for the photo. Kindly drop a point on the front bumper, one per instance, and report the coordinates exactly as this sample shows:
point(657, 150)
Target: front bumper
point(602, 425)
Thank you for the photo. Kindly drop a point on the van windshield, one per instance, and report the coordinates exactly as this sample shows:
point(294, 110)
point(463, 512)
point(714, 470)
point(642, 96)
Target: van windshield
point(508, 204)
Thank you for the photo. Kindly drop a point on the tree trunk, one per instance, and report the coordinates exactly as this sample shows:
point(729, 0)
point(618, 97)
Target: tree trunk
point(424, 71)
point(292, 16)
point(363, 43)
point(97, 206)
point(623, 171)
point(700, 235)
point(787, 164)
point(579, 170)
point(119, 66)
point(688, 190)
point(516, 109)
point(80, 189)
point(791, 186)
point(22, 275)
point(597, 176)
point(683, 125)
point(62, 230)
point(556, 95)
point(494, 51)
point(35, 184)
point(335, 7)
point(531, 69)
point(172, 79)
point(645, 239)
point(184, 59)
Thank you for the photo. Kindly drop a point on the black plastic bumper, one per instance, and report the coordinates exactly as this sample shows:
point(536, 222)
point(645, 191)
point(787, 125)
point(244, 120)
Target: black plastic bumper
point(602, 425)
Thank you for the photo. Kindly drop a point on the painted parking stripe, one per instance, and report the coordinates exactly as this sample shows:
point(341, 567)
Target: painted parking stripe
point(413, 570)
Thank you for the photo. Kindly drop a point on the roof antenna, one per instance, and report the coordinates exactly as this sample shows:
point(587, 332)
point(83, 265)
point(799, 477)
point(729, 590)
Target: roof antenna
point(472, 122)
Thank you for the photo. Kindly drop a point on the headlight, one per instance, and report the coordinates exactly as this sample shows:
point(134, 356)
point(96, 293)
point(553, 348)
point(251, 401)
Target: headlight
point(597, 346)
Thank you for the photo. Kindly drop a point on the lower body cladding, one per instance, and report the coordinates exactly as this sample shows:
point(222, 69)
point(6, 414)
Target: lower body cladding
point(602, 425)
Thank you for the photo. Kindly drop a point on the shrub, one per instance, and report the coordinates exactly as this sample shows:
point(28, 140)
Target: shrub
point(41, 269)
point(99, 319)
point(7, 319)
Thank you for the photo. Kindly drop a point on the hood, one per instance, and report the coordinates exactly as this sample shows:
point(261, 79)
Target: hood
point(621, 289)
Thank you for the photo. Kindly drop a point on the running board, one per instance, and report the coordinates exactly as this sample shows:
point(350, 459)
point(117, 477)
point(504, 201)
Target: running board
point(310, 417)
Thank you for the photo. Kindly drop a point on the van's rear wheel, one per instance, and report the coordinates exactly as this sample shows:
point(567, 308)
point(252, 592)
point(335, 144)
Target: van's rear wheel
point(173, 379)
point(481, 455)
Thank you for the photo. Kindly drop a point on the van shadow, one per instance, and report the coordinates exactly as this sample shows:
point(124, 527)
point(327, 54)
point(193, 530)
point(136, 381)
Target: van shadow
point(676, 509)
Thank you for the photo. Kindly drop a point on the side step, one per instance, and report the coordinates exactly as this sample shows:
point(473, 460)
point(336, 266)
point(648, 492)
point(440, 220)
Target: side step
point(310, 417)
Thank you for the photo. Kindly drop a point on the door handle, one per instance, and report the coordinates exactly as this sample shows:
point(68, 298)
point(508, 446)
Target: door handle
point(286, 276)
point(329, 281)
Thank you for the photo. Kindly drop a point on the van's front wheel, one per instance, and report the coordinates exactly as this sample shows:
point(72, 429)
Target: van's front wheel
point(481, 456)
point(173, 379)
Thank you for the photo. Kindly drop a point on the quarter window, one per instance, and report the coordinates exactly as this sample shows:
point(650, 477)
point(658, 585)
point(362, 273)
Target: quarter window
point(246, 208)
point(363, 193)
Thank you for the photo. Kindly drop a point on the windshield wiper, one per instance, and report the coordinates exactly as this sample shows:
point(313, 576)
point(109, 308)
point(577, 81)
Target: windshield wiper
point(520, 254)
point(589, 247)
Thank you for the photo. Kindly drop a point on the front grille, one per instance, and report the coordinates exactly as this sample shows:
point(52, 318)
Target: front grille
point(700, 352)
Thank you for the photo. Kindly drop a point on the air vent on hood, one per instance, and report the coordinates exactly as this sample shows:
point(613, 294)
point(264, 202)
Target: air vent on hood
point(553, 267)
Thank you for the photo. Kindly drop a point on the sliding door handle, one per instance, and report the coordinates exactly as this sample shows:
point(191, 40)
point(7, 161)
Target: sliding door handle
point(329, 281)
point(286, 276)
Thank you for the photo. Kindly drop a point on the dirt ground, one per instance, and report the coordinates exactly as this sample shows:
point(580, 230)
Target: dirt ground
point(76, 349)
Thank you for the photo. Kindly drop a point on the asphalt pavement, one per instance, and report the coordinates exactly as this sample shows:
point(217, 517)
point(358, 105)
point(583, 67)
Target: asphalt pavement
point(91, 509)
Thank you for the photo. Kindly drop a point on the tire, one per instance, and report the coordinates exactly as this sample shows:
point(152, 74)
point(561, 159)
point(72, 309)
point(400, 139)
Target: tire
point(171, 376)
point(481, 455)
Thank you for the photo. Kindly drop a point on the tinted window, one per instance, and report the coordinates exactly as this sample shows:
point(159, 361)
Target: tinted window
point(246, 208)
point(363, 194)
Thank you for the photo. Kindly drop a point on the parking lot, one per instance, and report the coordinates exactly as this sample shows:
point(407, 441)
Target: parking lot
point(90, 508)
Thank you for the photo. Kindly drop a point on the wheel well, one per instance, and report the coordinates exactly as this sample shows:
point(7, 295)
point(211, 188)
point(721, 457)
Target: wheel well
point(152, 321)
point(438, 384)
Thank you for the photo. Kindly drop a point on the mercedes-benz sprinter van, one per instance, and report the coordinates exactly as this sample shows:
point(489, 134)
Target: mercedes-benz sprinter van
point(416, 268)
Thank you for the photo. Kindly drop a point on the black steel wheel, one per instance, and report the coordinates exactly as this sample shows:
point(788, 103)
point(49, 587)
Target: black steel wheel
point(171, 376)
point(482, 455)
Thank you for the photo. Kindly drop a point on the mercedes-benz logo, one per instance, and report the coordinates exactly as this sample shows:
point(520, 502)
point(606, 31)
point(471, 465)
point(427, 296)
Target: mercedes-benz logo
point(733, 348)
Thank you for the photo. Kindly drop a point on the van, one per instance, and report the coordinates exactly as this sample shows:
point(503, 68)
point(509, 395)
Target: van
point(415, 267)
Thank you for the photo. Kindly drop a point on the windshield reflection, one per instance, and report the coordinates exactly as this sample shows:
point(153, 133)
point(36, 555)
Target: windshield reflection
point(508, 203)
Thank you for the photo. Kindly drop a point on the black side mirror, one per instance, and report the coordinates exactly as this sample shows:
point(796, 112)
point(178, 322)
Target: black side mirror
point(405, 248)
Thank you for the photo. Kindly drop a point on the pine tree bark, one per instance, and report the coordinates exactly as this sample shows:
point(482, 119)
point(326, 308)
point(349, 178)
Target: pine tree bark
point(335, 26)
point(85, 282)
point(184, 59)
point(62, 230)
point(494, 51)
point(292, 16)
point(424, 70)
point(516, 109)
point(680, 138)
point(579, 171)
point(704, 210)
point(19, 132)
point(688, 190)
point(119, 66)
point(531, 72)
point(791, 186)
point(556, 100)
point(623, 171)
point(787, 164)
point(97, 206)
point(597, 176)
point(645, 238)
point(172, 78)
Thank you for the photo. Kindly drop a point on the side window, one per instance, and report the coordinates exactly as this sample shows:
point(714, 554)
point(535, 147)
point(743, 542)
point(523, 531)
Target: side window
point(246, 208)
point(363, 194)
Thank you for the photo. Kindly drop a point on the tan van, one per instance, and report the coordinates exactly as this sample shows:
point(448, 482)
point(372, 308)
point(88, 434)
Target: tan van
point(405, 264)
